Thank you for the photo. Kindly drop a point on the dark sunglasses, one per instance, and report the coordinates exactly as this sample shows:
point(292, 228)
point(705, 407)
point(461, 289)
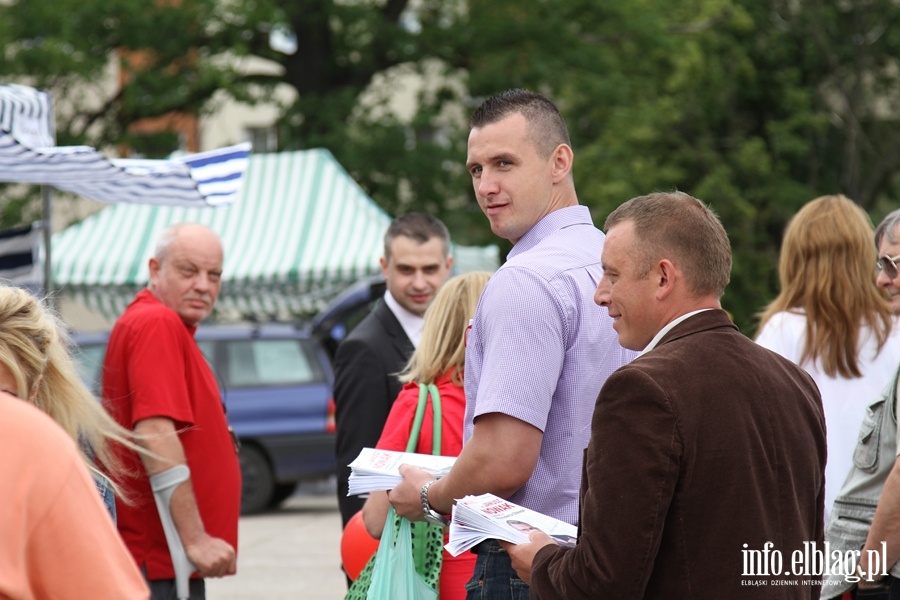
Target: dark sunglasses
point(887, 264)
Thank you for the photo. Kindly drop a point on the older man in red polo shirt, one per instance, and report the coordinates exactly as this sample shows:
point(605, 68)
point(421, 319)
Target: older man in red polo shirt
point(156, 382)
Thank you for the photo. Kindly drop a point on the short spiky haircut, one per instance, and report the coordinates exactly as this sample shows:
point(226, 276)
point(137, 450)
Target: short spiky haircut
point(419, 227)
point(547, 128)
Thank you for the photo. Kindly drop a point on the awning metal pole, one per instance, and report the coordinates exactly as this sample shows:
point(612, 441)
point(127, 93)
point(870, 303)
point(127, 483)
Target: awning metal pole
point(48, 235)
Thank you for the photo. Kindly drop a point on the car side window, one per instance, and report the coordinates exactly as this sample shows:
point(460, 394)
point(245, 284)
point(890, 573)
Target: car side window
point(89, 365)
point(207, 347)
point(269, 362)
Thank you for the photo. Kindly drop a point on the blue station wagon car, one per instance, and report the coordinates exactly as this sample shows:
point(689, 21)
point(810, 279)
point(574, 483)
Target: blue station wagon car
point(276, 385)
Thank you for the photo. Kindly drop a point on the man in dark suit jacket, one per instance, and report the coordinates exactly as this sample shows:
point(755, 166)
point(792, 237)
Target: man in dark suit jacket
point(416, 263)
point(704, 476)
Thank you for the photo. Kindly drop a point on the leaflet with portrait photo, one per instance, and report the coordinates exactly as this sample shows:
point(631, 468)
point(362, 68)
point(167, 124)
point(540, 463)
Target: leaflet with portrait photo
point(377, 470)
point(484, 517)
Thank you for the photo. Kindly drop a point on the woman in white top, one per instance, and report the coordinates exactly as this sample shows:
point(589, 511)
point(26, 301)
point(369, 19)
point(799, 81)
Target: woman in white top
point(831, 319)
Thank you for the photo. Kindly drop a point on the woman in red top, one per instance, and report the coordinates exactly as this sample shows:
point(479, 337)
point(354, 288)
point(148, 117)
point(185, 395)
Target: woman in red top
point(439, 359)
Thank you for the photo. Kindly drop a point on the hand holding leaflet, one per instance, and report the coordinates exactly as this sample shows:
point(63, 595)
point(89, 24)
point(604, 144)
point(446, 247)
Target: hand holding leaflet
point(377, 470)
point(479, 518)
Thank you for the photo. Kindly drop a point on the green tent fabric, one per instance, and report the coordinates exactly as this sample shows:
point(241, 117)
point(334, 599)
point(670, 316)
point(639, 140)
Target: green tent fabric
point(300, 231)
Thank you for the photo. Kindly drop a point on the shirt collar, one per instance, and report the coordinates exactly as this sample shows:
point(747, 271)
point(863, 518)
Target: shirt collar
point(553, 221)
point(146, 296)
point(410, 322)
point(669, 327)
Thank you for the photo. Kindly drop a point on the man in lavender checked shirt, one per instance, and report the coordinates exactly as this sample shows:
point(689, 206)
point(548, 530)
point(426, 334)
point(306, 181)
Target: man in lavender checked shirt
point(539, 349)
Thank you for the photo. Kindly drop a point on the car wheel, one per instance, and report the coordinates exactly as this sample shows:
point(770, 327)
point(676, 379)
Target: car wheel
point(283, 491)
point(258, 480)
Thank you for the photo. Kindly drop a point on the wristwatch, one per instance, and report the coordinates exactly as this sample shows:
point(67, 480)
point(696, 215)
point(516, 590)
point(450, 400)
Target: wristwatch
point(431, 515)
point(865, 581)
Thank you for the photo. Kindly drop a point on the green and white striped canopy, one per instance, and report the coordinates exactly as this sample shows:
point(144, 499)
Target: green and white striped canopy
point(299, 232)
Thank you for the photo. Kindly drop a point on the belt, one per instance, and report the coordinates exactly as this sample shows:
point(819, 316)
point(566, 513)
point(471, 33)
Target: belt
point(488, 546)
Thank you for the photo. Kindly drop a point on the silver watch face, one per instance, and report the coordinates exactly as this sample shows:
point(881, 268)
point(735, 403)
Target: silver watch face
point(437, 519)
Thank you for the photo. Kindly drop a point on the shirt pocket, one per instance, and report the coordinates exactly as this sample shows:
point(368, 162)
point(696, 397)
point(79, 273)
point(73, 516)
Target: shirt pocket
point(866, 454)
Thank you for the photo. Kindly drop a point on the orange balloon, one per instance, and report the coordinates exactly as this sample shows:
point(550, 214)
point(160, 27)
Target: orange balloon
point(357, 546)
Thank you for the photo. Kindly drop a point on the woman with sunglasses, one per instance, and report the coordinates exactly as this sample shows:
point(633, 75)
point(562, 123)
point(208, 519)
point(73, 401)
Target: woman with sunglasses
point(831, 319)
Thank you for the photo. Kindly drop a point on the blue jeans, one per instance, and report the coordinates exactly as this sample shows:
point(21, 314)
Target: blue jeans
point(106, 492)
point(494, 578)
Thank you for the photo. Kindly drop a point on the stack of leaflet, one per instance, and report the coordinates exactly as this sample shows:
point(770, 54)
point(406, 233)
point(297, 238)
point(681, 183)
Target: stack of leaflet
point(375, 470)
point(479, 518)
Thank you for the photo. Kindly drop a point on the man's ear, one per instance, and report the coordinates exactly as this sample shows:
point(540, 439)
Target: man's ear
point(154, 266)
point(667, 276)
point(562, 159)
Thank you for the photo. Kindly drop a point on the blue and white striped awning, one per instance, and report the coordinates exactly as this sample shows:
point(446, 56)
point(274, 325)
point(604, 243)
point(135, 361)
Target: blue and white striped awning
point(205, 179)
point(27, 114)
point(28, 154)
point(20, 255)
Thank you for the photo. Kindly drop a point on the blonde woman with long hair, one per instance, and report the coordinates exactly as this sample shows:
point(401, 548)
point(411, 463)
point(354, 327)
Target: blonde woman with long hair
point(34, 349)
point(440, 360)
point(831, 319)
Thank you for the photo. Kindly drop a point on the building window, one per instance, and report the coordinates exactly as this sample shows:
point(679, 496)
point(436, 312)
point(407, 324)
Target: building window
point(263, 139)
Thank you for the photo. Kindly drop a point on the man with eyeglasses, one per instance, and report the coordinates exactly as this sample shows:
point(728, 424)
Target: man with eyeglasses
point(871, 492)
point(887, 240)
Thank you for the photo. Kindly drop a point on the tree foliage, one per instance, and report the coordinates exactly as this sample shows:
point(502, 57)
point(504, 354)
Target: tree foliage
point(754, 106)
point(189, 51)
